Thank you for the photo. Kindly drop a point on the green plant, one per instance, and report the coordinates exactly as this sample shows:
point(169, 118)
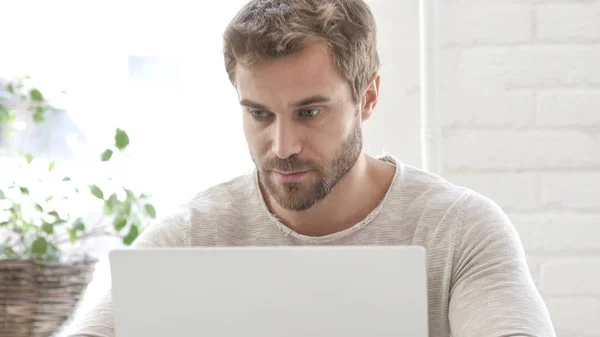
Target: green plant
point(40, 210)
point(17, 92)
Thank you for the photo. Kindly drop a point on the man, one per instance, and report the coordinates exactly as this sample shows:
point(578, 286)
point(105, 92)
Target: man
point(306, 73)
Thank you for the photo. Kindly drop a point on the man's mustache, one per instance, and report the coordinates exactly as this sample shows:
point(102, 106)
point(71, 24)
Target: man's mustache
point(291, 164)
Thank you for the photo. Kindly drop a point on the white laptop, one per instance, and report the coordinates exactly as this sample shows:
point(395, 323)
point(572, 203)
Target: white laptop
point(350, 291)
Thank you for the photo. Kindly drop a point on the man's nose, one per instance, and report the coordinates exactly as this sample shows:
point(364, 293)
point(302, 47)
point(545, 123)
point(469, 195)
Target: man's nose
point(286, 142)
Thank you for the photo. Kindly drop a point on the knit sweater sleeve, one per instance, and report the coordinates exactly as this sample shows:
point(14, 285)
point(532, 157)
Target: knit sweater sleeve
point(94, 315)
point(492, 293)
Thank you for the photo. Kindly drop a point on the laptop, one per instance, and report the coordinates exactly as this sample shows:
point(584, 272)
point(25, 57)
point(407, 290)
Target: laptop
point(283, 291)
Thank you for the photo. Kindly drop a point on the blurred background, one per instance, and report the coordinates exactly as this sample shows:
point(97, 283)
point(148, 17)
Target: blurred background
point(518, 102)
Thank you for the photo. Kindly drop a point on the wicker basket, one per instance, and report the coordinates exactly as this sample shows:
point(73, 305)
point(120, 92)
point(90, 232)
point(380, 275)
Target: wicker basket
point(36, 298)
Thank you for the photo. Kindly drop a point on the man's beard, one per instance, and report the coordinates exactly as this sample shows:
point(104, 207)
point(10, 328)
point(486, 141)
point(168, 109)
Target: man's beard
point(298, 196)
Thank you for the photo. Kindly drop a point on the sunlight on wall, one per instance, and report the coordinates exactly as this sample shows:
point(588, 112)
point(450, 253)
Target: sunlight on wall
point(155, 71)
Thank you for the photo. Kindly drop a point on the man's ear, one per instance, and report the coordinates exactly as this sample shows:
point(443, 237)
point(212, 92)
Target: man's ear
point(370, 97)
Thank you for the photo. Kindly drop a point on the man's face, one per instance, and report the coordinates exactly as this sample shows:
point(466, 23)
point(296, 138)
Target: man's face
point(302, 127)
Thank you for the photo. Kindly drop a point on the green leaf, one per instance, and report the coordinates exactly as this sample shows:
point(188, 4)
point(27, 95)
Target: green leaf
point(54, 214)
point(36, 95)
point(2, 195)
point(4, 114)
point(150, 211)
point(10, 88)
point(78, 225)
point(42, 109)
point(39, 246)
point(7, 251)
point(72, 235)
point(29, 157)
point(51, 165)
point(121, 139)
point(119, 223)
point(29, 226)
point(39, 207)
point(126, 207)
point(38, 117)
point(66, 179)
point(106, 155)
point(111, 204)
point(59, 222)
point(24, 190)
point(5, 223)
point(12, 115)
point(53, 247)
point(40, 113)
point(132, 235)
point(14, 211)
point(48, 228)
point(130, 195)
point(97, 192)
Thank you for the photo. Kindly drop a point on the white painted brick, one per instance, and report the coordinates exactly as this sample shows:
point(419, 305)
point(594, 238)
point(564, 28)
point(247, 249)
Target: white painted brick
point(448, 62)
point(568, 108)
point(493, 133)
point(484, 24)
point(487, 108)
point(505, 2)
point(574, 22)
point(557, 232)
point(572, 190)
point(571, 276)
point(476, 150)
point(529, 66)
point(575, 316)
point(511, 191)
point(534, 263)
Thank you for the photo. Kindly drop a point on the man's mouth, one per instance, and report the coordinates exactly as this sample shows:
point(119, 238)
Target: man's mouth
point(289, 176)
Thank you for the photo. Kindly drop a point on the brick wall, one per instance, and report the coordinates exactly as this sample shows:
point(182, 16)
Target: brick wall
point(520, 102)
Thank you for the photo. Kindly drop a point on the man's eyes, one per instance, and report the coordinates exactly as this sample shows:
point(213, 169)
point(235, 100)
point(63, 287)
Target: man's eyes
point(309, 113)
point(306, 113)
point(259, 114)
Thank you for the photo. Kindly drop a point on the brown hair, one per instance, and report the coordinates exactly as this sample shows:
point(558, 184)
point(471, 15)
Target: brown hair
point(265, 29)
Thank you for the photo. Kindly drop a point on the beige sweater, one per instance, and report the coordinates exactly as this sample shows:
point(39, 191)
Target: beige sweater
point(478, 281)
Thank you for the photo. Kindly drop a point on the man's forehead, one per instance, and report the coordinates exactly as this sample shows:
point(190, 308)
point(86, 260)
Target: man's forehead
point(312, 63)
point(289, 94)
point(292, 86)
point(250, 79)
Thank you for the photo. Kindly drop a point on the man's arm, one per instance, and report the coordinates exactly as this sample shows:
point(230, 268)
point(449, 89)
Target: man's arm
point(94, 315)
point(492, 292)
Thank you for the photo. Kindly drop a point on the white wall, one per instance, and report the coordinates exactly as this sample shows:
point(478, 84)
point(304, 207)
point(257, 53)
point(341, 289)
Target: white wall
point(520, 103)
point(395, 124)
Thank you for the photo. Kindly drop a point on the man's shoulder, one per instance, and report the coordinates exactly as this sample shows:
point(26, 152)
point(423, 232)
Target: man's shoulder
point(438, 206)
point(433, 190)
point(420, 194)
point(421, 189)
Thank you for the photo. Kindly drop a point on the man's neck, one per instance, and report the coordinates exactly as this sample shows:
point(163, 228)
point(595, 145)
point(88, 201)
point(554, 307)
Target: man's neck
point(349, 202)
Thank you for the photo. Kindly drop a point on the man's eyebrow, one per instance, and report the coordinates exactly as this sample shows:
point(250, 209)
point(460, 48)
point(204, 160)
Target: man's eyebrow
point(304, 102)
point(249, 104)
point(311, 100)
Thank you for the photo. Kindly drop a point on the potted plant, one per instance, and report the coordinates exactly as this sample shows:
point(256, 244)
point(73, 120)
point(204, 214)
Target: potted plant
point(43, 271)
